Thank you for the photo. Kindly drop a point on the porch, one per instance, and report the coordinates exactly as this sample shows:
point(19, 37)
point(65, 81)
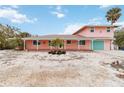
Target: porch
point(71, 42)
point(71, 45)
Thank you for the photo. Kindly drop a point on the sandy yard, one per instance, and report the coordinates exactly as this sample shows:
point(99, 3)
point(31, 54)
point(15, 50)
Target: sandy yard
point(86, 69)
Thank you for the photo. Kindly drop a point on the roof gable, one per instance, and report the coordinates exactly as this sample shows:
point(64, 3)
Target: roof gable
point(82, 28)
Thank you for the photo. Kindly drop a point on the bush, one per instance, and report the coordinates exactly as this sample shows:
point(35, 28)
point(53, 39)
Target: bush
point(15, 43)
point(49, 52)
point(63, 52)
point(53, 52)
point(58, 52)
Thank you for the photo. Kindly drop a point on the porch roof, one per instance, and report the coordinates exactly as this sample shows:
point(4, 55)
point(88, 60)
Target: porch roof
point(64, 37)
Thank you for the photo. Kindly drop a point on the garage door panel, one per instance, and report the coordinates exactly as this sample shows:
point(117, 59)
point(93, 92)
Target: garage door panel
point(98, 45)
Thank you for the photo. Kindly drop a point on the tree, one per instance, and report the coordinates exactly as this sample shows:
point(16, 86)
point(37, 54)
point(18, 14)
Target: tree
point(10, 31)
point(10, 37)
point(57, 43)
point(2, 40)
point(113, 15)
point(119, 38)
point(24, 34)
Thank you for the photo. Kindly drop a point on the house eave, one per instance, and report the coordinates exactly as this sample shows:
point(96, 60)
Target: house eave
point(85, 38)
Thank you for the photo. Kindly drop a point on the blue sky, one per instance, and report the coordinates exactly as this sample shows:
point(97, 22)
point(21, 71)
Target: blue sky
point(39, 20)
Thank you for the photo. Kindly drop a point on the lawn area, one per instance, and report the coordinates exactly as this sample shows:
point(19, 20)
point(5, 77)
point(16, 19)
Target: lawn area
point(20, 68)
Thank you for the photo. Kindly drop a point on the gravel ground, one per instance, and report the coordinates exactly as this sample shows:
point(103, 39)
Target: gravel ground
point(85, 69)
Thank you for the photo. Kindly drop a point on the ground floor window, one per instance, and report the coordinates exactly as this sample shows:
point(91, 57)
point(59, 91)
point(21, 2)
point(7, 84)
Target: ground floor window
point(68, 41)
point(35, 42)
point(82, 42)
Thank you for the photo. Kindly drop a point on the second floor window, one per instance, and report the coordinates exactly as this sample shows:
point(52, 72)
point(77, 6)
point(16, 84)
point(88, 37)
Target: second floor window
point(92, 29)
point(108, 29)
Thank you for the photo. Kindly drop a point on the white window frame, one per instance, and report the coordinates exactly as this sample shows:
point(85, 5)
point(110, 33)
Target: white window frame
point(82, 40)
point(93, 29)
point(108, 29)
point(36, 42)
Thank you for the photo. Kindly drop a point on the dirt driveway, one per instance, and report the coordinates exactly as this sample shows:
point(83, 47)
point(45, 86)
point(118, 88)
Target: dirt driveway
point(19, 68)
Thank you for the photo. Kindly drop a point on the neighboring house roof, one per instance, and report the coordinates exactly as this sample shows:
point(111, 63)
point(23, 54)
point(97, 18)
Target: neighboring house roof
point(64, 37)
point(93, 26)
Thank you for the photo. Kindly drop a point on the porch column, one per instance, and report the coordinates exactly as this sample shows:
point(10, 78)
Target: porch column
point(78, 44)
point(24, 44)
point(64, 44)
point(91, 44)
point(37, 44)
point(111, 45)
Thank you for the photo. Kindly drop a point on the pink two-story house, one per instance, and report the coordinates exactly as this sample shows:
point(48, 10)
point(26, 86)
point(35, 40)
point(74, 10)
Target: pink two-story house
point(90, 37)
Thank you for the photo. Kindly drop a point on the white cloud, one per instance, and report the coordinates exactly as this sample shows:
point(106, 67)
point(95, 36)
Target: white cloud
point(58, 8)
point(121, 23)
point(105, 6)
point(58, 12)
point(70, 29)
point(14, 6)
point(95, 21)
point(9, 6)
point(14, 16)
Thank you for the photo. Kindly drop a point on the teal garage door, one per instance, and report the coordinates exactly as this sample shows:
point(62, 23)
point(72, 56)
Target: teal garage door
point(98, 45)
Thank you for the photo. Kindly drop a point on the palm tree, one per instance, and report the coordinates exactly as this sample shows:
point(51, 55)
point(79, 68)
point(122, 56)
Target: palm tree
point(113, 15)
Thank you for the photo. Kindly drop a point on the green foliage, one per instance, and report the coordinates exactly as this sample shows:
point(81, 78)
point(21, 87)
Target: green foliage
point(57, 43)
point(2, 40)
point(15, 42)
point(119, 38)
point(24, 34)
point(113, 15)
point(10, 37)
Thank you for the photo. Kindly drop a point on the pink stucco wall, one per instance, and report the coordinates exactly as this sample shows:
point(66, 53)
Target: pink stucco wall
point(107, 44)
point(29, 45)
point(73, 45)
point(99, 32)
point(87, 45)
point(45, 45)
